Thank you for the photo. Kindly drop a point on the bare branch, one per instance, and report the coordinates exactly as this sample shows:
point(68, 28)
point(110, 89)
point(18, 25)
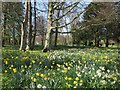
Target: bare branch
point(58, 5)
point(75, 4)
point(72, 20)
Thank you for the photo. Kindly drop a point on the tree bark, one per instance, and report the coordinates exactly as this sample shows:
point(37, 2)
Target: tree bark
point(97, 43)
point(107, 42)
point(24, 28)
point(34, 35)
point(56, 33)
point(29, 33)
point(3, 37)
point(56, 36)
point(14, 40)
point(49, 27)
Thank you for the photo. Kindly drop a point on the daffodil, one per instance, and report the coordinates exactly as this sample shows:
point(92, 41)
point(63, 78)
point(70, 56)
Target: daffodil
point(30, 66)
point(53, 73)
point(33, 61)
point(11, 65)
point(10, 68)
point(14, 70)
point(6, 62)
point(46, 78)
point(17, 57)
point(23, 70)
point(66, 78)
point(37, 74)
point(42, 75)
point(58, 65)
point(66, 64)
point(5, 71)
point(34, 79)
point(22, 66)
point(69, 78)
point(68, 85)
point(51, 66)
point(25, 66)
point(65, 70)
point(68, 68)
point(81, 81)
point(75, 82)
point(40, 62)
point(45, 66)
point(31, 78)
point(76, 78)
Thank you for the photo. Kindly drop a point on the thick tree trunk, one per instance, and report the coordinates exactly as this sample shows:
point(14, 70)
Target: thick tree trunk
point(34, 36)
point(24, 29)
point(29, 33)
point(49, 28)
point(56, 35)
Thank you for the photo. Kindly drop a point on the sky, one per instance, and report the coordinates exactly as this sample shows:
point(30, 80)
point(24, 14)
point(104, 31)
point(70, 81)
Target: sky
point(41, 6)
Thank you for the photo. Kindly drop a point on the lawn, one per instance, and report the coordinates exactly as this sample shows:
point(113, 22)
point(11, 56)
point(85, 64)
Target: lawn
point(69, 68)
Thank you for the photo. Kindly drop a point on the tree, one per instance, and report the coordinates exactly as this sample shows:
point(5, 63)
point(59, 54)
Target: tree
point(29, 31)
point(24, 28)
point(52, 6)
point(100, 16)
point(41, 30)
point(34, 33)
point(12, 17)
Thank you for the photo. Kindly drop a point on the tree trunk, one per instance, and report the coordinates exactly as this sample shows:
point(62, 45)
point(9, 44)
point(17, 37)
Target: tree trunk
point(34, 36)
point(24, 29)
point(57, 24)
point(56, 35)
point(107, 42)
point(29, 33)
point(49, 28)
point(14, 40)
point(97, 43)
point(3, 37)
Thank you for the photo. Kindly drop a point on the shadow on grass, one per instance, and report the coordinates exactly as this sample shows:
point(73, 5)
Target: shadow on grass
point(59, 47)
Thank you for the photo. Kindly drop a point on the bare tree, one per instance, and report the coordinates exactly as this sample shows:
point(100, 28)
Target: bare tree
point(52, 6)
point(24, 28)
point(29, 31)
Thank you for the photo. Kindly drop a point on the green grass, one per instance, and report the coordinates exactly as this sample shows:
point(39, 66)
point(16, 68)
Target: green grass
point(65, 67)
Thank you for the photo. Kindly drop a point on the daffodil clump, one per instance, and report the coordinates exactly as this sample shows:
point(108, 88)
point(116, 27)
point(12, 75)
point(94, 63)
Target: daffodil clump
point(73, 68)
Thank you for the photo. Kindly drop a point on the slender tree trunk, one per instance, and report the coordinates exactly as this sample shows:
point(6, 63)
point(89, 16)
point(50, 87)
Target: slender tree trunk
point(24, 29)
point(14, 40)
point(29, 33)
point(34, 36)
point(49, 28)
point(107, 42)
point(42, 40)
point(9, 41)
point(3, 37)
point(97, 43)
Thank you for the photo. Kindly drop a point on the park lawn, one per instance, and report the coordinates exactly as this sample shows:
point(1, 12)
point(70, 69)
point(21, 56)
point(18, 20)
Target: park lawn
point(69, 68)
